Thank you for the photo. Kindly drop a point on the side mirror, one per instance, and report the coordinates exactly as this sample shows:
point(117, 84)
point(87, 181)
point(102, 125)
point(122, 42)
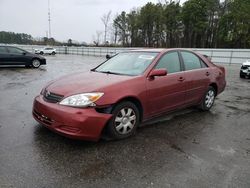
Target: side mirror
point(108, 56)
point(158, 72)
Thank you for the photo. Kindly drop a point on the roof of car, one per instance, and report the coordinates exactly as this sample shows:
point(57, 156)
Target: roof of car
point(159, 50)
point(149, 50)
point(9, 46)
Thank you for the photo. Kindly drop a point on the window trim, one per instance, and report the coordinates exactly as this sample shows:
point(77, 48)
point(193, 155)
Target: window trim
point(171, 51)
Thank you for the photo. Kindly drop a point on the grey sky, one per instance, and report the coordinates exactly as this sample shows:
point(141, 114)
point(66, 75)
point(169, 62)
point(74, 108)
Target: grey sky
point(75, 19)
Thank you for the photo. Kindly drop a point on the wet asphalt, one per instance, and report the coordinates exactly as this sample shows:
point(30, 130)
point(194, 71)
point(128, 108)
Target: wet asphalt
point(186, 149)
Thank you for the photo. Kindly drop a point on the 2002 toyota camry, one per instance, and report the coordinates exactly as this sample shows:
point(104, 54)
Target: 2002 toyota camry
point(127, 89)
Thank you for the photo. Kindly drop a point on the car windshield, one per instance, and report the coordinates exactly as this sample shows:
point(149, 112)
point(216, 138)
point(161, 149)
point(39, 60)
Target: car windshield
point(127, 63)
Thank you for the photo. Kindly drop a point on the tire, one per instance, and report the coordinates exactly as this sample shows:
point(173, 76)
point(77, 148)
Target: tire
point(41, 53)
point(242, 76)
point(208, 99)
point(124, 122)
point(36, 63)
point(53, 53)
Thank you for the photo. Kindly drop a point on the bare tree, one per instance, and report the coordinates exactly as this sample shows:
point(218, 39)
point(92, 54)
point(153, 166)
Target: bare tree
point(105, 20)
point(97, 38)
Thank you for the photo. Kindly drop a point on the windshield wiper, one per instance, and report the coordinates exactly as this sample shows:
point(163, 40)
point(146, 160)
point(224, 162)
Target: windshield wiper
point(109, 72)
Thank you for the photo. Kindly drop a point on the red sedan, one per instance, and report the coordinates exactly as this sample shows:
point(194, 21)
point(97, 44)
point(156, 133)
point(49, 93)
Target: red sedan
point(127, 89)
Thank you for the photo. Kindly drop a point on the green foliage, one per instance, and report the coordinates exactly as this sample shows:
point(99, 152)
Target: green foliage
point(234, 25)
point(197, 23)
point(15, 38)
point(22, 38)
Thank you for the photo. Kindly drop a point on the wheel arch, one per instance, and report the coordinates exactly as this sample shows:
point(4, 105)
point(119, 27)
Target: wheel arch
point(215, 86)
point(33, 58)
point(135, 101)
point(109, 109)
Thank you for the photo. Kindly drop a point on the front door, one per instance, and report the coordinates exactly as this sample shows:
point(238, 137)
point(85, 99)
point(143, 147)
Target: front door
point(167, 93)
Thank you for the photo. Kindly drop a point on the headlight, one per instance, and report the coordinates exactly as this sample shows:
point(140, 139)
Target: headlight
point(81, 100)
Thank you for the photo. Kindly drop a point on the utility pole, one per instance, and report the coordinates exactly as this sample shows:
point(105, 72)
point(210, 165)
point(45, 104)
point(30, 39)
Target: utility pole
point(49, 18)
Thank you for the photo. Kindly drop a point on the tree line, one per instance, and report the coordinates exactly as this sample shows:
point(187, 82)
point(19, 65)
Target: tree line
point(195, 24)
point(168, 24)
point(16, 38)
point(22, 38)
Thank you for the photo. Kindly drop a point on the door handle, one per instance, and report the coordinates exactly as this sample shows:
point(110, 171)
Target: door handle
point(207, 73)
point(181, 79)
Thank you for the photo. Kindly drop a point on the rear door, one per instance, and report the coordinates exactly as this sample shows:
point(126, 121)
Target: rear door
point(3, 55)
point(167, 93)
point(16, 56)
point(197, 77)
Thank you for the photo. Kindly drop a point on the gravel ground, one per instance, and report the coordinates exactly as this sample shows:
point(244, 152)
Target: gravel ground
point(186, 149)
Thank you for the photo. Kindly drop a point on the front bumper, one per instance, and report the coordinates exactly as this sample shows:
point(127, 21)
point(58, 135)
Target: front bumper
point(76, 123)
point(245, 72)
point(43, 61)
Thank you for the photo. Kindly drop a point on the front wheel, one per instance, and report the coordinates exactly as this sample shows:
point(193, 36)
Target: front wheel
point(41, 53)
point(53, 53)
point(208, 99)
point(36, 63)
point(125, 120)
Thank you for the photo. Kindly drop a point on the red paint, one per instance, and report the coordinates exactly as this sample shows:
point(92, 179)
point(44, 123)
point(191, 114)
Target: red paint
point(157, 95)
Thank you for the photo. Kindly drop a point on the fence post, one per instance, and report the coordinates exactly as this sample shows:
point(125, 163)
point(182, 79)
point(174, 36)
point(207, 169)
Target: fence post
point(212, 53)
point(231, 56)
point(66, 50)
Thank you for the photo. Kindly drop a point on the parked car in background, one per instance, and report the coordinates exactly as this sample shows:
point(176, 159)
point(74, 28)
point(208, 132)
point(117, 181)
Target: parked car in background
point(10, 55)
point(127, 89)
point(245, 69)
point(47, 50)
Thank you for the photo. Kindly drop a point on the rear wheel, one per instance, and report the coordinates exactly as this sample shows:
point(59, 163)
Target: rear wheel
point(41, 53)
point(36, 63)
point(208, 99)
point(53, 53)
point(125, 120)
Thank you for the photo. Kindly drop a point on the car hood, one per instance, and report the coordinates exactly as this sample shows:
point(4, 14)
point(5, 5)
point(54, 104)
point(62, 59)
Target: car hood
point(246, 63)
point(85, 82)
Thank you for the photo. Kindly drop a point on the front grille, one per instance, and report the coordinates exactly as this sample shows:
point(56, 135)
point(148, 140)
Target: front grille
point(244, 67)
point(52, 97)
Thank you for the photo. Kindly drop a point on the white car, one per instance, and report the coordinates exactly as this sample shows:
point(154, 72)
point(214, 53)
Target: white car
point(245, 69)
point(47, 50)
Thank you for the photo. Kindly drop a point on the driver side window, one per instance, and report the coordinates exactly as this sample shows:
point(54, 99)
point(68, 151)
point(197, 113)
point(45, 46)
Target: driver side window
point(13, 50)
point(171, 62)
